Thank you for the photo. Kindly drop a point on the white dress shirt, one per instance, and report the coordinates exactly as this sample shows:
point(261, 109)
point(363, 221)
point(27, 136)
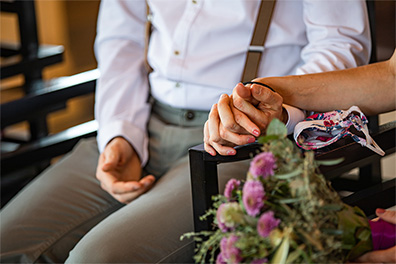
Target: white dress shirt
point(198, 49)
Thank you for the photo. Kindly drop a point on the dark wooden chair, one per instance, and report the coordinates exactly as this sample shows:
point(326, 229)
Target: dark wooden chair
point(23, 158)
point(26, 159)
point(204, 178)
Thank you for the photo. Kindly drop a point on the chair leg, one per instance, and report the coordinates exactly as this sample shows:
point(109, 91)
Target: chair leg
point(204, 185)
point(371, 174)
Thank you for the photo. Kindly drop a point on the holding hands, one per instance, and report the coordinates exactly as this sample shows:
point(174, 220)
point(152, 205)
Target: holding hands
point(240, 118)
point(119, 171)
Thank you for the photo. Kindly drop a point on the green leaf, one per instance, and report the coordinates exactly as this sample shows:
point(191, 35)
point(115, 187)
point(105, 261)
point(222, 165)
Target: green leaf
point(267, 138)
point(282, 251)
point(293, 256)
point(330, 162)
point(353, 223)
point(291, 200)
point(289, 175)
point(276, 127)
point(361, 248)
point(363, 234)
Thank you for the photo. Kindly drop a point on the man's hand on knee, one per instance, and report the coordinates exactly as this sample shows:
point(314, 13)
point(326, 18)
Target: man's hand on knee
point(119, 171)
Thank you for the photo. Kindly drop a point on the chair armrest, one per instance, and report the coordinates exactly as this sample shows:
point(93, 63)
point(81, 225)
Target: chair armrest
point(382, 195)
point(47, 55)
point(354, 154)
point(47, 147)
point(47, 94)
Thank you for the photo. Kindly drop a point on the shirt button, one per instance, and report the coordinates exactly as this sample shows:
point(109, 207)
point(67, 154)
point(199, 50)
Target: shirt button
point(189, 115)
point(177, 85)
point(194, 1)
point(176, 52)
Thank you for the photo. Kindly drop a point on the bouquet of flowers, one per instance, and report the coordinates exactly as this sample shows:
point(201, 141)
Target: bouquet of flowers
point(284, 212)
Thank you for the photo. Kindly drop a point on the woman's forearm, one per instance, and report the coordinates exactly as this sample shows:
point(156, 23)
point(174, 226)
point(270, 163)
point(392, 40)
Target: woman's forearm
point(371, 87)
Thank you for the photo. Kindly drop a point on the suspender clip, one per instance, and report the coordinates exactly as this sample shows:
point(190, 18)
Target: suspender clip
point(256, 49)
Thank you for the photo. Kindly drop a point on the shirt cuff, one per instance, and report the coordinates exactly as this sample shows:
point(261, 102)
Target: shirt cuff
point(294, 116)
point(135, 136)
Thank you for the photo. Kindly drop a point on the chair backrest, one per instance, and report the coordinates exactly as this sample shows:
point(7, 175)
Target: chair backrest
point(22, 158)
point(371, 15)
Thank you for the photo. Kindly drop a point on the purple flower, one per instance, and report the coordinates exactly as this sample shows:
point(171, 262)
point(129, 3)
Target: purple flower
point(253, 197)
point(266, 223)
point(263, 165)
point(259, 261)
point(231, 185)
point(220, 259)
point(230, 253)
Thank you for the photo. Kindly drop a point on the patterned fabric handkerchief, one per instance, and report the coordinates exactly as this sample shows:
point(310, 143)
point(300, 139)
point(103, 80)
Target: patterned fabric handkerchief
point(322, 129)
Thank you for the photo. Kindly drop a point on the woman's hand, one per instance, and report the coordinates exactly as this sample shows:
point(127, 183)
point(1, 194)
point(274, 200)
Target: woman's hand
point(225, 128)
point(240, 118)
point(381, 256)
point(259, 104)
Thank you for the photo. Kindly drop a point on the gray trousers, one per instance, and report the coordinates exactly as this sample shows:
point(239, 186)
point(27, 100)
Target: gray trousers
point(64, 215)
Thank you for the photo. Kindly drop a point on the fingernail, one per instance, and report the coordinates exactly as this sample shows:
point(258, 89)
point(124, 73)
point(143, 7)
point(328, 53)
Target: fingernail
point(231, 152)
point(380, 211)
point(251, 140)
point(256, 132)
point(257, 90)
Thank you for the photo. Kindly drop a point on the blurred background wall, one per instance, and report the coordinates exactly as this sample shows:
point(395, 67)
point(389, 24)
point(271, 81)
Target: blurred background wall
point(71, 24)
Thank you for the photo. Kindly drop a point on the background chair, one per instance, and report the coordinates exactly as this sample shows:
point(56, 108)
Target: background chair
point(22, 158)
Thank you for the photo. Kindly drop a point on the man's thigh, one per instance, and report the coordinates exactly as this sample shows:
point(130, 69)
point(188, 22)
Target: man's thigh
point(46, 219)
point(148, 230)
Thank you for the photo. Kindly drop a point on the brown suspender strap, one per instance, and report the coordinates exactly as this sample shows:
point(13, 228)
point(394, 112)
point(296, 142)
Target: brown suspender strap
point(147, 37)
point(257, 43)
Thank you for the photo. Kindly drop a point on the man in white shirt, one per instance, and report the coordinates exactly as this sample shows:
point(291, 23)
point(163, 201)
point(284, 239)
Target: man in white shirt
point(197, 51)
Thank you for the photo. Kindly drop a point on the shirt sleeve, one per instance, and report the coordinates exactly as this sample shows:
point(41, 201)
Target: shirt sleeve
point(121, 106)
point(338, 35)
point(295, 115)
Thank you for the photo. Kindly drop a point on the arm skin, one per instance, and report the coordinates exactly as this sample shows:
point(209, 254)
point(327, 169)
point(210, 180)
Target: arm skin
point(371, 87)
point(233, 121)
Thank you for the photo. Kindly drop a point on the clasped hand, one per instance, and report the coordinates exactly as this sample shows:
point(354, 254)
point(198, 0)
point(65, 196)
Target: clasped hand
point(240, 118)
point(119, 171)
